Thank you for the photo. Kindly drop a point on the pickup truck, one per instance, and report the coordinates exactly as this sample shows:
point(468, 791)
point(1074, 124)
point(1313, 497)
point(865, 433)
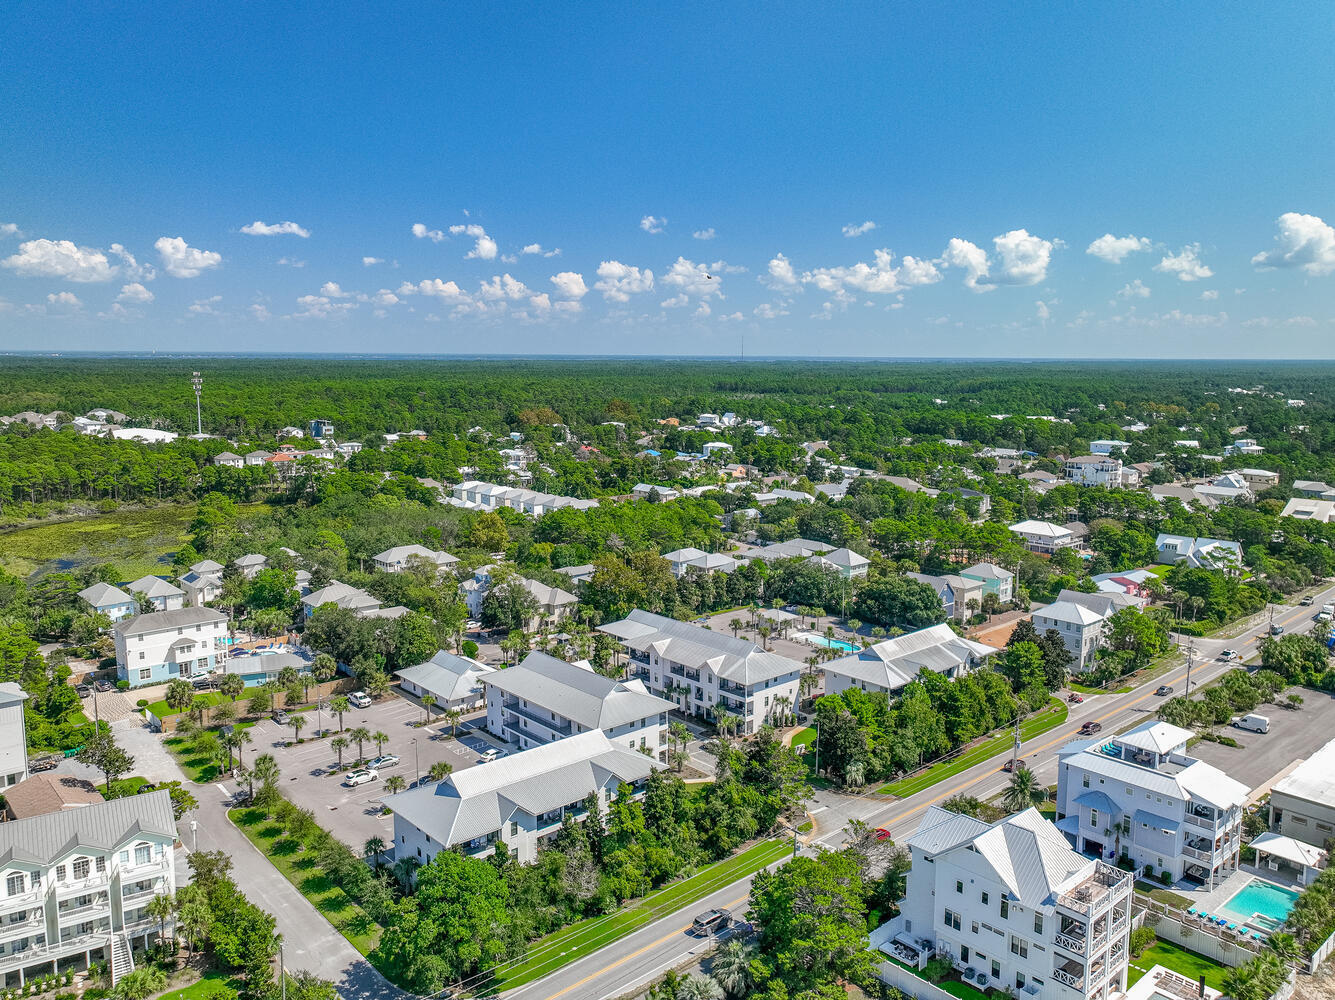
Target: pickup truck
point(46, 762)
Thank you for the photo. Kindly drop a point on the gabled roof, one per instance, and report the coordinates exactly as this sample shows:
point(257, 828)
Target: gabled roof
point(47, 793)
point(158, 621)
point(400, 553)
point(341, 594)
point(11, 694)
point(548, 596)
point(1070, 612)
point(846, 558)
point(207, 566)
point(250, 559)
point(1156, 737)
point(683, 555)
point(446, 676)
point(154, 586)
point(101, 827)
point(104, 595)
point(940, 830)
point(1041, 528)
point(585, 697)
point(1032, 858)
point(480, 800)
point(987, 571)
point(896, 662)
point(731, 658)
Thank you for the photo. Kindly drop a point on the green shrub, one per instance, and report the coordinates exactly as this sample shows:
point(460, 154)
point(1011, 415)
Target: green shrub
point(141, 703)
point(1142, 938)
point(1166, 877)
point(122, 685)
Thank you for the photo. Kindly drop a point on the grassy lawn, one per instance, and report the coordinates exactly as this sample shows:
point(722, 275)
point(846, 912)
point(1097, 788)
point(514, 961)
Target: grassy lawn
point(213, 985)
point(1162, 895)
point(548, 954)
point(161, 709)
point(1183, 962)
point(284, 853)
point(197, 767)
point(804, 737)
point(1036, 725)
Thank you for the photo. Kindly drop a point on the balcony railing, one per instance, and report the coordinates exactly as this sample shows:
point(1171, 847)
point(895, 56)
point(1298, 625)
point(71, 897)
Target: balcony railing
point(98, 905)
point(1204, 822)
point(133, 892)
point(33, 953)
point(1193, 852)
point(37, 918)
point(1072, 944)
point(546, 723)
point(89, 884)
point(1062, 976)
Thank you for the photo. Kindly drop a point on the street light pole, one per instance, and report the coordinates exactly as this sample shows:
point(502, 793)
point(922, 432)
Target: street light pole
point(417, 760)
point(1191, 653)
point(194, 836)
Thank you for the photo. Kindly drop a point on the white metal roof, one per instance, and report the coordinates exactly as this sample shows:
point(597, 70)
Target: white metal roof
point(1313, 780)
point(895, 662)
point(585, 697)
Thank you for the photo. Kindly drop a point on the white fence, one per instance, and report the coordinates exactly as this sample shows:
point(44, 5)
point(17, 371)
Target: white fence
point(1224, 948)
point(1322, 952)
point(909, 984)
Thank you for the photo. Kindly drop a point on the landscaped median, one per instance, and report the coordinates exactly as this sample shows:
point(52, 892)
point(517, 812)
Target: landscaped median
point(1036, 725)
point(562, 947)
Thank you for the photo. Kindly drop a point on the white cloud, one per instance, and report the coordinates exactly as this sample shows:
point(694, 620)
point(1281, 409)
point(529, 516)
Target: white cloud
point(10, 229)
point(503, 286)
point(1209, 295)
point(372, 261)
point(880, 277)
point(65, 300)
point(446, 291)
point(1186, 265)
point(704, 234)
point(116, 312)
point(1024, 258)
point(258, 228)
point(290, 262)
point(1044, 312)
point(130, 267)
point(1114, 249)
point(676, 302)
point(702, 310)
point(734, 317)
point(618, 281)
point(781, 274)
point(570, 284)
point(60, 259)
point(422, 233)
point(695, 279)
point(204, 307)
point(972, 259)
point(484, 249)
point(770, 310)
point(260, 312)
point(134, 292)
point(653, 223)
point(542, 302)
point(1135, 290)
point(385, 297)
point(858, 229)
point(321, 307)
point(333, 291)
point(184, 261)
point(1303, 241)
point(536, 249)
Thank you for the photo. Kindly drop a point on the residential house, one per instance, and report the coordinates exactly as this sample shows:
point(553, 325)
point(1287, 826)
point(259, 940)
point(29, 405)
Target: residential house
point(251, 564)
point(773, 496)
point(395, 560)
point(1040, 481)
point(48, 793)
point(1200, 553)
point(1302, 803)
point(1243, 446)
point(1099, 470)
point(1188, 443)
point(520, 800)
point(1104, 602)
point(13, 735)
point(229, 460)
point(578, 574)
point(474, 495)
point(889, 665)
point(200, 588)
point(707, 420)
point(704, 672)
point(474, 590)
point(1185, 495)
point(845, 562)
point(162, 594)
point(78, 883)
point(321, 429)
point(144, 435)
point(161, 646)
point(1081, 628)
point(1309, 509)
point(454, 681)
point(1139, 794)
point(956, 593)
point(713, 449)
point(342, 595)
point(554, 604)
point(1012, 906)
point(1134, 582)
point(544, 699)
point(108, 600)
point(1313, 488)
point(257, 457)
point(683, 560)
point(994, 579)
point(644, 491)
point(1259, 479)
point(1106, 447)
point(1043, 536)
point(794, 548)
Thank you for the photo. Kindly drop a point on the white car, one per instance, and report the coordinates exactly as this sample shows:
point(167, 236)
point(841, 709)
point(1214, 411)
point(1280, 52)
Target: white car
point(1230, 654)
point(359, 699)
point(360, 777)
point(492, 753)
point(388, 760)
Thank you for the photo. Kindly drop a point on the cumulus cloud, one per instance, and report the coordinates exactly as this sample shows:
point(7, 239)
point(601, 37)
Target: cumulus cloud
point(422, 233)
point(1114, 249)
point(503, 286)
point(697, 280)
point(1186, 264)
point(704, 234)
point(618, 281)
point(372, 261)
point(130, 267)
point(1303, 241)
point(184, 261)
point(1209, 295)
point(970, 258)
point(134, 292)
point(1044, 311)
point(1024, 258)
point(653, 223)
point(8, 229)
point(64, 300)
point(204, 307)
point(676, 302)
point(858, 228)
point(290, 262)
point(570, 284)
point(780, 273)
point(447, 291)
point(258, 228)
point(1135, 290)
point(533, 249)
point(332, 289)
point(770, 310)
point(880, 277)
point(60, 259)
point(484, 249)
point(260, 312)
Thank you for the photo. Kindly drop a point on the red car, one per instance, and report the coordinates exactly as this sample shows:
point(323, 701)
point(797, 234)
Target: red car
point(882, 833)
point(1075, 698)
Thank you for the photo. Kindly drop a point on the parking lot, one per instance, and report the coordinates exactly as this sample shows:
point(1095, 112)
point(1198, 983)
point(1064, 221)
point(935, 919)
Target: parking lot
point(1261, 756)
point(311, 779)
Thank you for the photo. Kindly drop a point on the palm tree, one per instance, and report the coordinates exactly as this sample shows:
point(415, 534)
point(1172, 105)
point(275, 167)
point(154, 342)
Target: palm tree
point(324, 667)
point(781, 705)
point(807, 684)
point(404, 869)
point(853, 625)
point(338, 705)
point(763, 631)
point(699, 988)
point(140, 983)
point(161, 908)
point(360, 735)
point(440, 770)
point(427, 701)
point(1023, 790)
point(297, 721)
point(1285, 946)
point(194, 922)
point(339, 744)
point(373, 848)
point(231, 685)
point(380, 740)
point(453, 716)
point(395, 783)
point(735, 624)
point(731, 968)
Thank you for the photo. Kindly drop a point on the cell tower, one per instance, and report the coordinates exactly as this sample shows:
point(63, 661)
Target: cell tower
point(198, 382)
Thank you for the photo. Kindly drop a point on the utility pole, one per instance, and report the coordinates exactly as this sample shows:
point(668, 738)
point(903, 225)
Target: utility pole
point(1015, 751)
point(417, 761)
point(282, 976)
point(1191, 654)
point(198, 382)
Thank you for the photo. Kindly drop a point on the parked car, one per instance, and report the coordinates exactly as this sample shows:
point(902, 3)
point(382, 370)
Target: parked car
point(83, 690)
point(710, 922)
point(1276, 629)
point(882, 833)
point(492, 753)
point(1164, 689)
point(202, 681)
point(1230, 654)
point(1323, 616)
point(1090, 728)
point(1075, 698)
point(472, 625)
point(103, 686)
point(1307, 601)
point(359, 699)
point(145, 788)
point(1254, 723)
point(361, 776)
point(46, 762)
point(281, 717)
point(388, 760)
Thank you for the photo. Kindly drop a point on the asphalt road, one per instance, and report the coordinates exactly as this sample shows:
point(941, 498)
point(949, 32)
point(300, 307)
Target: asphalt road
point(636, 960)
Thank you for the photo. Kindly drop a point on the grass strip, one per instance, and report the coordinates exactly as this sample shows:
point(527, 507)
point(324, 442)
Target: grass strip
point(1050, 718)
point(562, 947)
point(299, 867)
point(1185, 963)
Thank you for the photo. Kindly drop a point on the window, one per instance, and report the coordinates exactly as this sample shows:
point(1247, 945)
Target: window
point(996, 969)
point(142, 854)
point(1038, 923)
point(1019, 980)
point(101, 866)
point(141, 654)
point(1093, 817)
point(60, 873)
point(1020, 947)
point(959, 886)
point(984, 898)
point(145, 673)
point(514, 828)
point(125, 857)
point(14, 885)
point(81, 868)
point(952, 920)
point(1005, 909)
point(1084, 780)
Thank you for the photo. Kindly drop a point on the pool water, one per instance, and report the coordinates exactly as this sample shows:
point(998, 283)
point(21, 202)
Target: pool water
point(1261, 904)
point(820, 640)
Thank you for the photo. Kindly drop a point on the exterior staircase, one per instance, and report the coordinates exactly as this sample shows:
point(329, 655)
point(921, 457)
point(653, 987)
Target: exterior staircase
point(122, 957)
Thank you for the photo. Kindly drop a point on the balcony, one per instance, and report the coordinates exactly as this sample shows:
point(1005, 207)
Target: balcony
point(99, 904)
point(78, 886)
point(131, 892)
point(1204, 822)
point(1097, 892)
point(1074, 945)
point(732, 687)
point(1199, 855)
point(690, 675)
point(29, 955)
point(546, 722)
point(1070, 975)
point(36, 919)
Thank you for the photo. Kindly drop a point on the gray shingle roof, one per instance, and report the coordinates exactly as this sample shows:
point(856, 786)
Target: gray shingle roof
point(156, 621)
point(103, 826)
point(155, 586)
point(592, 700)
point(730, 658)
point(104, 595)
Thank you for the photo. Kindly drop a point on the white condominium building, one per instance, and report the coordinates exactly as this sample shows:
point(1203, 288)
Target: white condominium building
point(75, 885)
point(1140, 795)
point(13, 735)
point(892, 664)
point(701, 671)
point(1014, 907)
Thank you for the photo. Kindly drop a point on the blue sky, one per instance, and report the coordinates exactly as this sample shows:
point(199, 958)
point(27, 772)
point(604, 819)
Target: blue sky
point(829, 180)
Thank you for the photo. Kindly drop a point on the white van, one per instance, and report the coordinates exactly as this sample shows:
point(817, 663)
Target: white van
point(1328, 610)
point(1254, 723)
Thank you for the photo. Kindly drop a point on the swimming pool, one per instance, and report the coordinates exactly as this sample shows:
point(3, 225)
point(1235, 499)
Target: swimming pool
point(820, 640)
point(1260, 904)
